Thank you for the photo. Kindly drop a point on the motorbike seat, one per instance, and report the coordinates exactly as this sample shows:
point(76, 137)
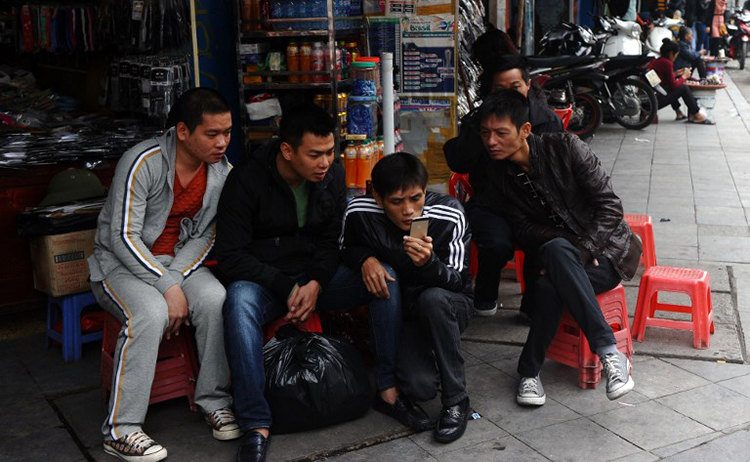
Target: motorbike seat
point(627, 61)
point(559, 61)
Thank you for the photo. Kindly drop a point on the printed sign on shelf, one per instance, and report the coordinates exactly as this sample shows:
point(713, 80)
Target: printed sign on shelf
point(428, 55)
point(417, 7)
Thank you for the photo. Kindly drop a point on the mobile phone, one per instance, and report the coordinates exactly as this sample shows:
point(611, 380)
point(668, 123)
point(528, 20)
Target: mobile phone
point(419, 227)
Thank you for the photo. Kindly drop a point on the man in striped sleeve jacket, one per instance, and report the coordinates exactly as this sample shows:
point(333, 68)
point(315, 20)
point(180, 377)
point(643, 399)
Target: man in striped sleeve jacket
point(154, 232)
point(435, 287)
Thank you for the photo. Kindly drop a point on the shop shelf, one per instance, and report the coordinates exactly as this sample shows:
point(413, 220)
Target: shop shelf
point(294, 86)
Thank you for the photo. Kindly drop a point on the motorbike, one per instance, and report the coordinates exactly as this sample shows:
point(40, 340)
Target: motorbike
point(662, 29)
point(598, 89)
point(738, 37)
point(618, 37)
point(558, 77)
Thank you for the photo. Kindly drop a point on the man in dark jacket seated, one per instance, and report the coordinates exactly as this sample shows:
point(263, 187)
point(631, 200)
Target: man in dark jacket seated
point(466, 154)
point(432, 272)
point(278, 225)
point(562, 209)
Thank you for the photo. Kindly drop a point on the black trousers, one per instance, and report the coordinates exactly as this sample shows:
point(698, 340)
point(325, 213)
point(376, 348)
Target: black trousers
point(698, 64)
point(566, 284)
point(673, 98)
point(494, 239)
point(430, 355)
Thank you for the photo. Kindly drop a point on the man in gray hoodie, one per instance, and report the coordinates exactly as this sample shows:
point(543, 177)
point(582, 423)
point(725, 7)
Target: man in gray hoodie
point(154, 232)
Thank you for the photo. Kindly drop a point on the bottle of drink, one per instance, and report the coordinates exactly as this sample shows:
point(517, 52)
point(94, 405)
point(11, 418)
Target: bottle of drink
point(305, 61)
point(363, 164)
point(351, 47)
point(318, 61)
point(344, 60)
point(292, 61)
point(350, 164)
point(381, 148)
point(277, 9)
point(248, 15)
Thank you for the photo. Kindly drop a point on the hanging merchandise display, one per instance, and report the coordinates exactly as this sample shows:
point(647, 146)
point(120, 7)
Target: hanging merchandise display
point(58, 29)
point(468, 71)
point(145, 25)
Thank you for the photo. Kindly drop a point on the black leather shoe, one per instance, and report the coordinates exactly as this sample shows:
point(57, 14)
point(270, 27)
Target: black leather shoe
point(452, 423)
point(252, 448)
point(405, 411)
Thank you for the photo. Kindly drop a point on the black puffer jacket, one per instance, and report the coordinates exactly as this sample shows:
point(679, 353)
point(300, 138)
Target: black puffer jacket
point(570, 178)
point(466, 153)
point(258, 238)
point(368, 232)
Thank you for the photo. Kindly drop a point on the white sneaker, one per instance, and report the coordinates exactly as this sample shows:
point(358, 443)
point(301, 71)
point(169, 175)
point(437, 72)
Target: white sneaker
point(531, 392)
point(617, 369)
point(136, 447)
point(223, 424)
point(485, 309)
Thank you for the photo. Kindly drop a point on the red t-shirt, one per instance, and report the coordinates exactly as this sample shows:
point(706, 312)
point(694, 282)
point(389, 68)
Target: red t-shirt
point(665, 69)
point(188, 201)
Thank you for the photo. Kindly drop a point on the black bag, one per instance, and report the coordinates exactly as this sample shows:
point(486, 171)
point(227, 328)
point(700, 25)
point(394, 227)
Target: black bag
point(313, 381)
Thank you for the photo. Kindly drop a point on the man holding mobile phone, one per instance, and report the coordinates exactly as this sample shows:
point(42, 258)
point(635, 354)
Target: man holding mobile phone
point(423, 237)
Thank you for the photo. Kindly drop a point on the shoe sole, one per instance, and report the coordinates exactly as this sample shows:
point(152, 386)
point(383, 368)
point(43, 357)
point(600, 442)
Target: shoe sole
point(486, 312)
point(524, 401)
point(155, 457)
point(623, 390)
point(227, 435)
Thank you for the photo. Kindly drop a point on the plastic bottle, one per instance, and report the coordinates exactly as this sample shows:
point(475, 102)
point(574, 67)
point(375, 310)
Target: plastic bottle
point(318, 61)
point(350, 164)
point(277, 9)
point(363, 165)
point(320, 10)
point(305, 61)
point(292, 61)
point(381, 148)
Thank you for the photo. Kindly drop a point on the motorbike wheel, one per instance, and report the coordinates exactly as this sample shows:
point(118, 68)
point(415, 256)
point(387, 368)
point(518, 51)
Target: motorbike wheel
point(632, 87)
point(587, 116)
point(741, 55)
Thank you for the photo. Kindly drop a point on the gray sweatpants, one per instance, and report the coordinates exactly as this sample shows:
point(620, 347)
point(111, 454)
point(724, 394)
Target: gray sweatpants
point(143, 312)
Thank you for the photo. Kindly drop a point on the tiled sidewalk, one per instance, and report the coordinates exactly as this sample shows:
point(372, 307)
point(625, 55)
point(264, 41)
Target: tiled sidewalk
point(688, 405)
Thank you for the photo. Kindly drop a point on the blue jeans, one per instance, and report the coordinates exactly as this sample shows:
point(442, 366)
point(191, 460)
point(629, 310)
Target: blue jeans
point(250, 306)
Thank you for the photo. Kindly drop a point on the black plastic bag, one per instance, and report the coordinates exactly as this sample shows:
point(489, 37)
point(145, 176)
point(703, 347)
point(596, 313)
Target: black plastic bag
point(313, 381)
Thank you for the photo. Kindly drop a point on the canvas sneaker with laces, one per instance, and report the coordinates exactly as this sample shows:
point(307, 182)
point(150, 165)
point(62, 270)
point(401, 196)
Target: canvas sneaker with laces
point(617, 369)
point(223, 424)
point(531, 392)
point(136, 447)
point(485, 308)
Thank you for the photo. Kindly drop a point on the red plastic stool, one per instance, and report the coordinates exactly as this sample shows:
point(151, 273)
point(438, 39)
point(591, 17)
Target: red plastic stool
point(643, 227)
point(693, 282)
point(311, 325)
point(570, 346)
point(176, 366)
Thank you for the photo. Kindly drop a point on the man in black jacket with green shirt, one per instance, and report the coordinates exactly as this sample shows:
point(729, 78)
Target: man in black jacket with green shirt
point(278, 225)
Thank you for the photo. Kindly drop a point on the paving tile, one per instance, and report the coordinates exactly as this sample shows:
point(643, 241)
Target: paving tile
point(673, 449)
point(589, 402)
point(658, 378)
point(730, 448)
point(674, 233)
point(490, 351)
point(725, 344)
point(507, 449)
point(740, 384)
point(571, 440)
point(502, 410)
point(477, 431)
point(715, 371)
point(714, 406)
point(641, 456)
point(724, 248)
point(504, 327)
point(402, 449)
point(650, 425)
point(49, 444)
point(727, 216)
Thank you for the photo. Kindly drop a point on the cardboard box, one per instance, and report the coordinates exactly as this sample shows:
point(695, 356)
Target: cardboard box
point(59, 262)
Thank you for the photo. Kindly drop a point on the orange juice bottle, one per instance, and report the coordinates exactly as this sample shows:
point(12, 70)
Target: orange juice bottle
point(350, 164)
point(305, 60)
point(381, 148)
point(292, 61)
point(364, 155)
